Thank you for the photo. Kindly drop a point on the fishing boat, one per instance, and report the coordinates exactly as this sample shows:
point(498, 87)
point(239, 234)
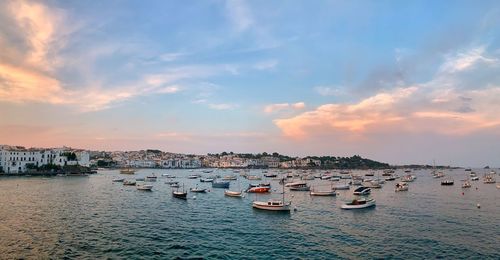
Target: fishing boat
point(237, 194)
point(145, 187)
point(118, 179)
point(362, 191)
point(129, 182)
point(326, 177)
point(448, 182)
point(466, 184)
point(273, 205)
point(180, 194)
point(127, 171)
point(358, 203)
point(258, 189)
point(300, 187)
point(401, 186)
point(220, 184)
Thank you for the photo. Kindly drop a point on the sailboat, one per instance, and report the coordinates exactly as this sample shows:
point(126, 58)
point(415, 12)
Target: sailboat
point(180, 194)
point(330, 192)
point(273, 205)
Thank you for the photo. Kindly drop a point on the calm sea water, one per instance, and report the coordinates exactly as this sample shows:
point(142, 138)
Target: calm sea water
point(91, 217)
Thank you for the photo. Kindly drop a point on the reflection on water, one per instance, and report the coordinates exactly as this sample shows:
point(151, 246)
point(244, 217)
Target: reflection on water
point(92, 217)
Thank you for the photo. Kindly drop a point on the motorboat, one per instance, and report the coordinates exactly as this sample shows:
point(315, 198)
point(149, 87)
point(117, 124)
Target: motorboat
point(174, 185)
point(300, 187)
point(447, 182)
point(358, 203)
point(466, 184)
point(370, 174)
point(129, 182)
point(199, 190)
point(237, 194)
point(270, 175)
point(193, 176)
point(220, 184)
point(151, 178)
point(118, 179)
point(145, 187)
point(206, 179)
point(297, 183)
point(408, 178)
point(258, 189)
point(326, 177)
point(401, 186)
point(390, 178)
point(171, 182)
point(179, 194)
point(438, 175)
point(475, 178)
point(168, 175)
point(253, 177)
point(362, 191)
point(372, 184)
point(488, 179)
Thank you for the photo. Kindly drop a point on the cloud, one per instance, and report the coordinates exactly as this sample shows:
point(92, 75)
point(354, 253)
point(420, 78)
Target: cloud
point(328, 90)
point(266, 65)
point(436, 106)
point(239, 14)
point(284, 106)
point(222, 106)
point(172, 56)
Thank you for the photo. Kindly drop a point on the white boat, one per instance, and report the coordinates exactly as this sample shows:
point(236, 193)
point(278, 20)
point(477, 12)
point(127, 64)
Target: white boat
point(297, 183)
point(151, 178)
point(273, 205)
point(118, 179)
point(475, 178)
point(193, 176)
point(145, 187)
point(229, 178)
point(408, 178)
point(207, 179)
point(254, 177)
point(362, 191)
point(129, 182)
point(237, 194)
point(322, 193)
point(372, 184)
point(199, 190)
point(466, 184)
point(359, 203)
point(300, 187)
point(401, 186)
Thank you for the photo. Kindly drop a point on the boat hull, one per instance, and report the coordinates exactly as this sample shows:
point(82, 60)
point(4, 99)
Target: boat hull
point(265, 206)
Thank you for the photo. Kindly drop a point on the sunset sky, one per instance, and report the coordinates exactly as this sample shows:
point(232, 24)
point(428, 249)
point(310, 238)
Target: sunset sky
point(395, 81)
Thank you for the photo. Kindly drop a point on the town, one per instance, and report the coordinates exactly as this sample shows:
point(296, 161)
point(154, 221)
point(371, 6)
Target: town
point(18, 159)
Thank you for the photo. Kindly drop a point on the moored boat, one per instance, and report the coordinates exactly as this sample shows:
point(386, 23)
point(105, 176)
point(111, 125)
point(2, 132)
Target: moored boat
point(358, 203)
point(362, 191)
point(466, 184)
point(199, 190)
point(300, 187)
point(273, 205)
point(220, 184)
point(322, 193)
point(118, 179)
point(237, 194)
point(341, 187)
point(127, 171)
point(401, 186)
point(145, 187)
point(179, 194)
point(448, 182)
point(129, 182)
point(258, 189)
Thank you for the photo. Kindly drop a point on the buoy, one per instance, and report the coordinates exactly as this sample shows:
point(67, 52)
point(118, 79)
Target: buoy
point(294, 209)
point(463, 193)
point(194, 197)
point(478, 206)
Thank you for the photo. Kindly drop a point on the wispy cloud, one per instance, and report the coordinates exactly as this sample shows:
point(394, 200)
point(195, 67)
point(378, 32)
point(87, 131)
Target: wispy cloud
point(466, 60)
point(222, 106)
point(266, 65)
point(284, 106)
point(239, 14)
point(328, 90)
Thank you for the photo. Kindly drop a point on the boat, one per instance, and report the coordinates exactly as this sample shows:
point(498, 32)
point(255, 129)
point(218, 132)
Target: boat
point(207, 171)
point(129, 182)
point(206, 179)
point(193, 176)
point(220, 184)
point(237, 194)
point(370, 174)
point(174, 185)
point(468, 169)
point(438, 175)
point(145, 187)
point(372, 184)
point(488, 179)
point(362, 191)
point(390, 178)
point(308, 177)
point(151, 178)
point(273, 205)
point(326, 177)
point(401, 186)
point(199, 190)
point(466, 184)
point(258, 189)
point(297, 183)
point(300, 187)
point(230, 178)
point(388, 173)
point(168, 175)
point(408, 178)
point(118, 179)
point(127, 171)
point(322, 193)
point(139, 179)
point(498, 185)
point(180, 194)
point(475, 178)
point(171, 182)
point(358, 203)
point(447, 182)
point(253, 177)
point(270, 175)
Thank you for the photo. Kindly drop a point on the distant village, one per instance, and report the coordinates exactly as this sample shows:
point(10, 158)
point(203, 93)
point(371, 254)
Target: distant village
point(18, 159)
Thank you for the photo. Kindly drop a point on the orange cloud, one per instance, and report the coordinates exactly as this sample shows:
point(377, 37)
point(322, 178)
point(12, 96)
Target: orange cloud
point(284, 106)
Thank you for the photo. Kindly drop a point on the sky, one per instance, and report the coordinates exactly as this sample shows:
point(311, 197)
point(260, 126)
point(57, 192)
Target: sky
point(396, 81)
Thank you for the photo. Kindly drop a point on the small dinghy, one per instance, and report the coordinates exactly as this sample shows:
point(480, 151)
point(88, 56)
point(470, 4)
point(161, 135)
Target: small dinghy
point(322, 193)
point(196, 189)
point(179, 194)
point(229, 193)
point(129, 182)
point(401, 186)
point(258, 189)
point(358, 204)
point(119, 180)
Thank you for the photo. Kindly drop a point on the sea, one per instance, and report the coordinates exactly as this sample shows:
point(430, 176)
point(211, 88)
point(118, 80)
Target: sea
point(95, 218)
